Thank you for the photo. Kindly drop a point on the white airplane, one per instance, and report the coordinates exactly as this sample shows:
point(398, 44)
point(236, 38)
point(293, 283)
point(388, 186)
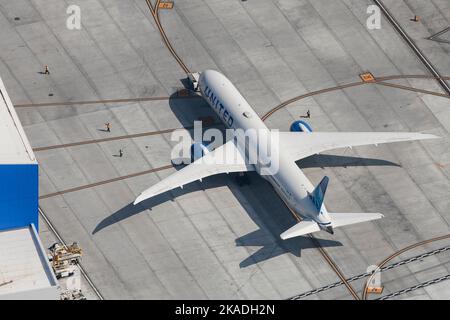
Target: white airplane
point(289, 181)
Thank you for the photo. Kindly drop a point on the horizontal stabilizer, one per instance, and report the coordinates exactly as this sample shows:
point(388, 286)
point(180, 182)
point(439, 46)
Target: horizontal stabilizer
point(344, 219)
point(337, 220)
point(300, 229)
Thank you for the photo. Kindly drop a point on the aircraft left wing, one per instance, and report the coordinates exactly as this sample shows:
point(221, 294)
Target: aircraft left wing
point(304, 144)
point(225, 159)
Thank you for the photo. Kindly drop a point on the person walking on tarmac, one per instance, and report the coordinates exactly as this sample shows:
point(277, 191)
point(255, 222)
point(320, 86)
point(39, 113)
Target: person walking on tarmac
point(308, 115)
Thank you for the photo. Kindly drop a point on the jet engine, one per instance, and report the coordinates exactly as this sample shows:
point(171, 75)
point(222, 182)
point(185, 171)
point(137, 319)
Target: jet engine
point(198, 150)
point(300, 126)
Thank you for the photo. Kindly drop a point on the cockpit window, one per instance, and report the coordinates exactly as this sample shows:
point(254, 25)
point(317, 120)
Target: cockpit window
point(247, 114)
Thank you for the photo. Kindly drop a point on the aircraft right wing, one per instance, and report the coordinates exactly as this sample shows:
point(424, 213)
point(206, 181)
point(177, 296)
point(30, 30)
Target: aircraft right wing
point(304, 144)
point(345, 219)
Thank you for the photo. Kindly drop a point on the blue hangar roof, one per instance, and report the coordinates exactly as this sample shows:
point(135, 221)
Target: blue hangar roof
point(19, 174)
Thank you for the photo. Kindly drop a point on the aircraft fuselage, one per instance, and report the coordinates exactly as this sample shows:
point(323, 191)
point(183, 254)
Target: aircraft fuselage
point(288, 180)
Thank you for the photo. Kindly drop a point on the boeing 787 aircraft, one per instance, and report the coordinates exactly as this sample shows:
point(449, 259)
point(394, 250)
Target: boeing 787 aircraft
point(288, 180)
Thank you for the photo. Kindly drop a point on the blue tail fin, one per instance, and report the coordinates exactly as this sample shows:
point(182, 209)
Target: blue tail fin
point(319, 192)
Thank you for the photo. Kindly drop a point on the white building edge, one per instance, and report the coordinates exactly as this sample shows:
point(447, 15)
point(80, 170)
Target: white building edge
point(14, 144)
point(25, 272)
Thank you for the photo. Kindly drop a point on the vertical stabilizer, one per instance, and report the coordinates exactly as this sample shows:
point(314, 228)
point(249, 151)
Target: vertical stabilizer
point(318, 194)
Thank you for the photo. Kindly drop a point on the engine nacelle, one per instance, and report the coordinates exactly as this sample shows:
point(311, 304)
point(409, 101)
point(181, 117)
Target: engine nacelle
point(300, 126)
point(198, 150)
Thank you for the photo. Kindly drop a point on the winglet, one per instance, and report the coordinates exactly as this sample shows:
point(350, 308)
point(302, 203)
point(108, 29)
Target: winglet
point(144, 196)
point(139, 199)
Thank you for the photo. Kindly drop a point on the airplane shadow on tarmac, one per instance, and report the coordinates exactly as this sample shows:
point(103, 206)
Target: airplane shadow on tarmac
point(186, 111)
point(272, 217)
point(269, 212)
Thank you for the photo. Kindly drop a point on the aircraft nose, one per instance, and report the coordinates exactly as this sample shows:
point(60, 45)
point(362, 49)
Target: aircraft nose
point(207, 74)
